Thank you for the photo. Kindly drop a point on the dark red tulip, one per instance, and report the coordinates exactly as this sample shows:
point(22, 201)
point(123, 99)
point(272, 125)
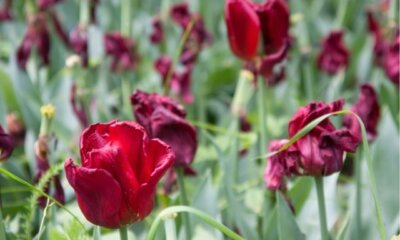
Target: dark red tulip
point(163, 118)
point(44, 4)
point(79, 43)
point(247, 20)
point(367, 108)
point(180, 14)
point(43, 165)
point(321, 150)
point(181, 83)
point(36, 35)
point(274, 20)
point(162, 66)
point(333, 55)
point(380, 44)
point(281, 165)
point(392, 61)
point(243, 28)
point(61, 33)
point(120, 170)
point(7, 145)
point(77, 107)
point(122, 50)
point(158, 31)
point(5, 11)
point(276, 77)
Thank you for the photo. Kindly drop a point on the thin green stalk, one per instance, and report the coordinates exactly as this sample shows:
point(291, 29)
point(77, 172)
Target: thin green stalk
point(321, 206)
point(183, 201)
point(203, 216)
point(126, 17)
point(341, 13)
point(181, 45)
point(84, 12)
point(125, 95)
point(123, 232)
point(170, 230)
point(358, 204)
point(261, 115)
point(2, 227)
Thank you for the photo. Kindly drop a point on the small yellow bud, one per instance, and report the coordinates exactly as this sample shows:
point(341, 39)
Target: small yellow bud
point(48, 111)
point(296, 17)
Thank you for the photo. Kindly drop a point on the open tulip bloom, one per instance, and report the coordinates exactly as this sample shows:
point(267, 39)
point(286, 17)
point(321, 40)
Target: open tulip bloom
point(120, 170)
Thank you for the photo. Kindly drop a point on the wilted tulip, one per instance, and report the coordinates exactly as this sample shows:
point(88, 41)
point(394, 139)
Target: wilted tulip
point(122, 50)
point(5, 11)
point(7, 145)
point(333, 55)
point(163, 118)
point(321, 150)
point(158, 32)
point(120, 170)
point(43, 4)
point(281, 165)
point(79, 43)
point(392, 61)
point(77, 107)
point(37, 35)
point(180, 14)
point(367, 108)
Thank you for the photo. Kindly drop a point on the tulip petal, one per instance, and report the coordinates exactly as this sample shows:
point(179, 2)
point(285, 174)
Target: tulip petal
point(98, 194)
point(243, 28)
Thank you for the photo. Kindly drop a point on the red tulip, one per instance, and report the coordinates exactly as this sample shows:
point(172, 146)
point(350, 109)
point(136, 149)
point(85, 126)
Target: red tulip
point(120, 170)
point(245, 22)
point(122, 50)
point(43, 4)
point(180, 14)
point(5, 11)
point(367, 108)
point(243, 28)
point(333, 55)
point(158, 31)
point(321, 150)
point(37, 35)
point(7, 145)
point(392, 61)
point(163, 118)
point(281, 165)
point(79, 43)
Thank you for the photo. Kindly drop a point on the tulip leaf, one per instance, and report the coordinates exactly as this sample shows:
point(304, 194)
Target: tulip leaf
point(287, 226)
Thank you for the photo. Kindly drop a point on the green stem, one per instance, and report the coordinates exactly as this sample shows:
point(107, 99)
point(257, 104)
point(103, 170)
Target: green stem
point(123, 232)
point(2, 227)
point(203, 216)
point(181, 45)
point(183, 201)
point(321, 205)
point(84, 12)
point(341, 13)
point(170, 229)
point(261, 115)
point(357, 162)
point(126, 17)
point(125, 96)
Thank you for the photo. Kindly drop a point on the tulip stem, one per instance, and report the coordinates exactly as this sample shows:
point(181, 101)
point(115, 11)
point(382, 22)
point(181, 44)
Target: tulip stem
point(357, 162)
point(321, 205)
point(2, 227)
point(178, 53)
point(183, 201)
point(126, 17)
point(261, 115)
point(123, 232)
point(84, 13)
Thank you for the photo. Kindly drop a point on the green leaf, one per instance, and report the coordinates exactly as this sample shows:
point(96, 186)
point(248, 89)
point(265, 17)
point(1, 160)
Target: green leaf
point(287, 226)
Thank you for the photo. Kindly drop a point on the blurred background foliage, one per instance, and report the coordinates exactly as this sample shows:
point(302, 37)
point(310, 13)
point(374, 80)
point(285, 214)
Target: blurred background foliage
point(243, 204)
